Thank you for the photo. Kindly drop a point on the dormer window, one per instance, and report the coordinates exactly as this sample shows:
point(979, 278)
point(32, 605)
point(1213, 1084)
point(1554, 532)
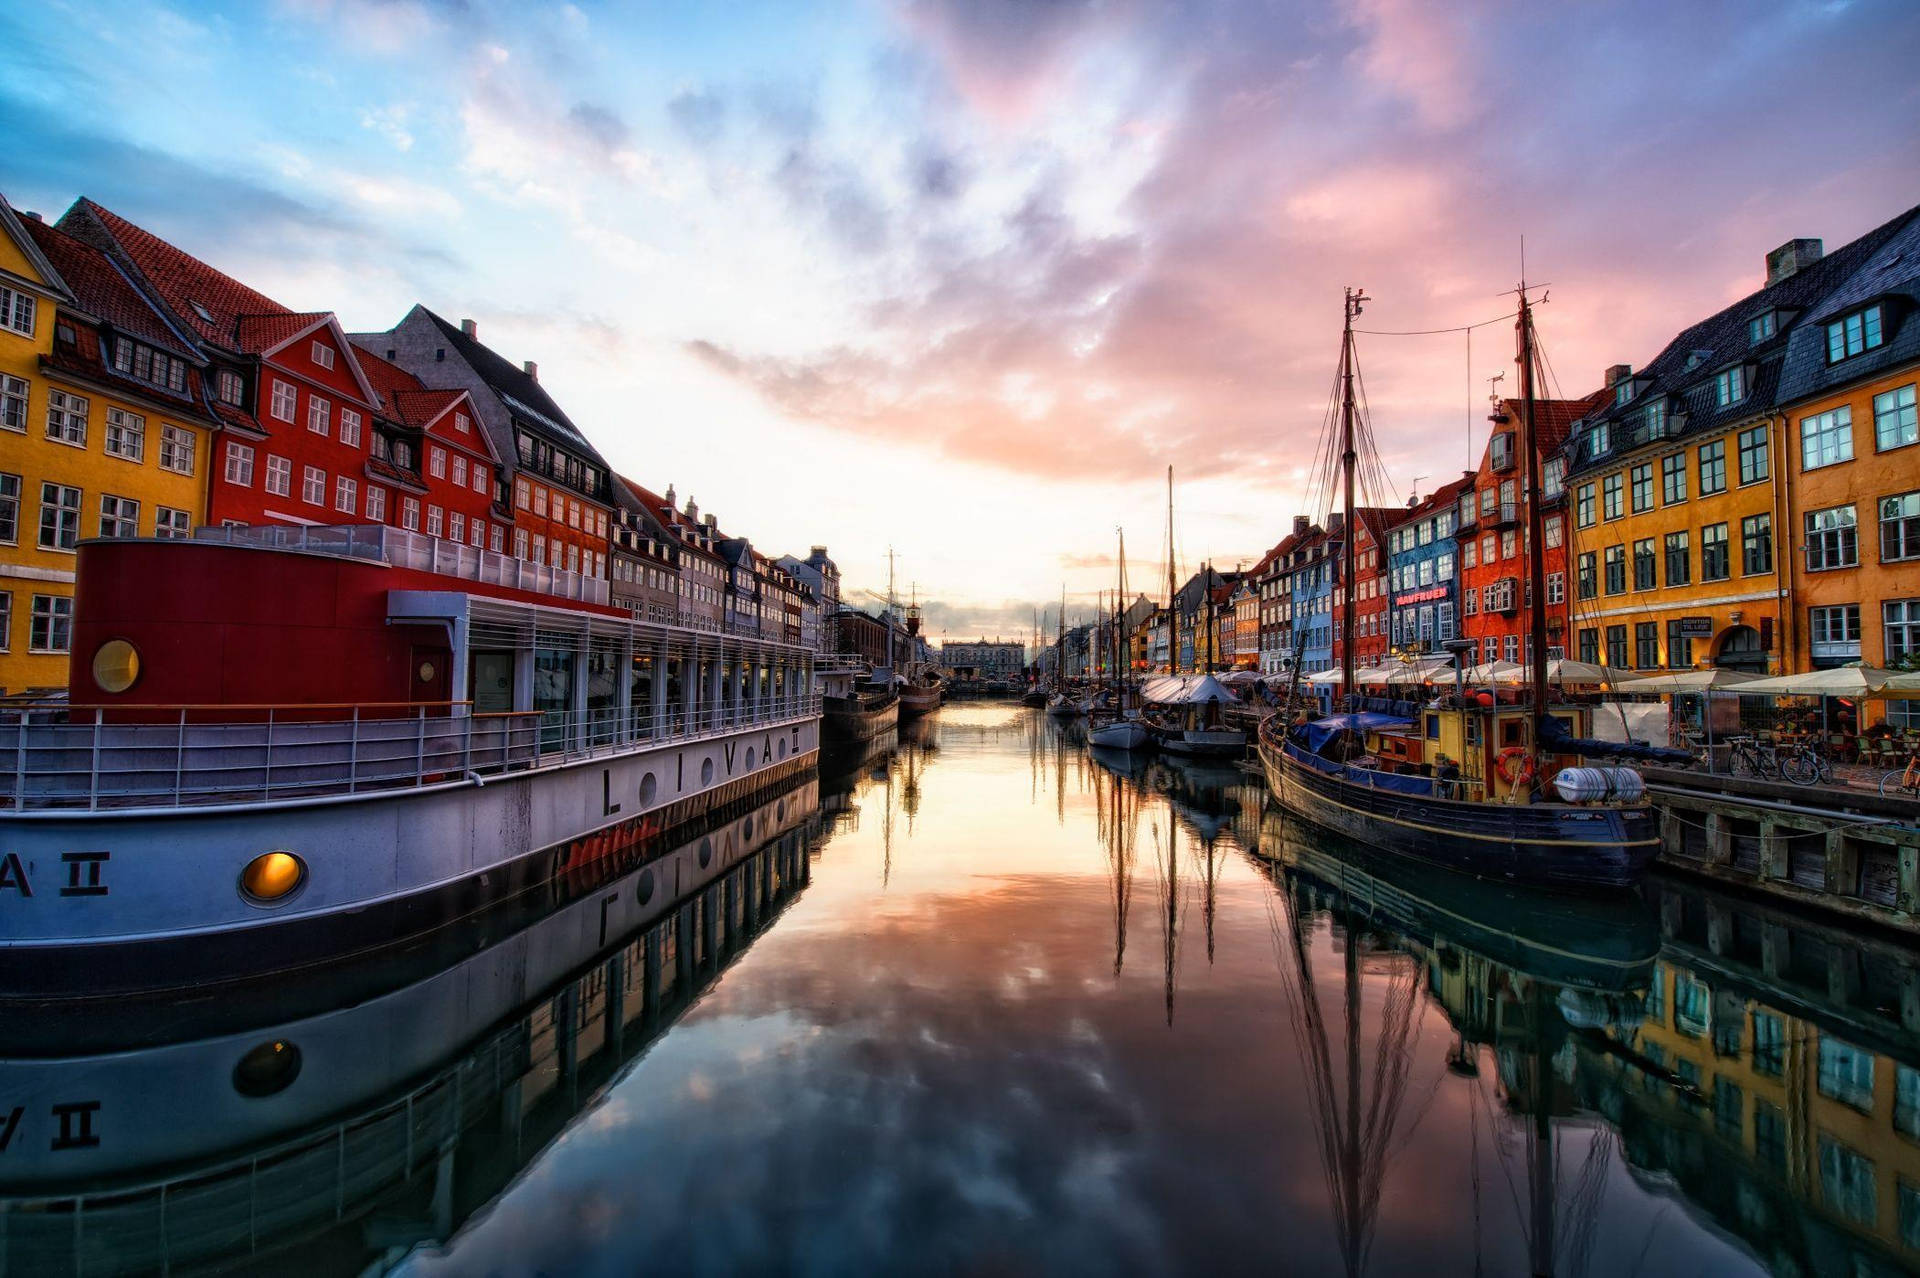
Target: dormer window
point(229, 387)
point(1624, 391)
point(1762, 327)
point(1853, 334)
point(1599, 440)
point(1500, 449)
point(323, 354)
point(1730, 386)
point(1656, 419)
point(149, 365)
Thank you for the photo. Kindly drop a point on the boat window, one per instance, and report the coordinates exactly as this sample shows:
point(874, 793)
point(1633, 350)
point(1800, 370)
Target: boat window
point(1433, 727)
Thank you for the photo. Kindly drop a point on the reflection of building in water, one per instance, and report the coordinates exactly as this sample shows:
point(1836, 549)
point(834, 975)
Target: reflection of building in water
point(1776, 1079)
point(359, 1133)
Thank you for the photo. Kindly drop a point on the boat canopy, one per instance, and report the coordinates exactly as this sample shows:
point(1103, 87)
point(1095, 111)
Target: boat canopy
point(1187, 690)
point(1320, 731)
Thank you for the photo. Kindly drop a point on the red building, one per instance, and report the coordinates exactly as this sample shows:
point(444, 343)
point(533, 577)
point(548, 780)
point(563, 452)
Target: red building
point(1495, 596)
point(1372, 643)
point(430, 449)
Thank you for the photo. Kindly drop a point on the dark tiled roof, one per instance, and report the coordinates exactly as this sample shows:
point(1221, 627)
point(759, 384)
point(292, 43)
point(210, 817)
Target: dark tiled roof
point(521, 392)
point(101, 290)
point(1891, 275)
point(256, 333)
point(1683, 372)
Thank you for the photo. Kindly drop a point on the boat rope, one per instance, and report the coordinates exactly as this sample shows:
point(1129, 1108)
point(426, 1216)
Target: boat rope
point(1434, 332)
point(1876, 823)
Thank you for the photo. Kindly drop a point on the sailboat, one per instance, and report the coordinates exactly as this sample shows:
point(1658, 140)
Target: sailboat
point(922, 691)
point(1062, 704)
point(1517, 805)
point(1118, 725)
point(1187, 712)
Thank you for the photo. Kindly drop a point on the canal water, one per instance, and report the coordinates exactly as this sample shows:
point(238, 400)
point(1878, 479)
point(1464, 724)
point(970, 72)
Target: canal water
point(983, 1002)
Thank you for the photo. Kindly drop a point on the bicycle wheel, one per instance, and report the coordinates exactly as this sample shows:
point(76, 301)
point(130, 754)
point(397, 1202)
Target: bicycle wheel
point(1744, 763)
point(1892, 785)
point(1801, 769)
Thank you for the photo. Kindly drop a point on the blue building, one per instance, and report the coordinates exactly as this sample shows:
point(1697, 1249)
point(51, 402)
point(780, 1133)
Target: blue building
point(1423, 572)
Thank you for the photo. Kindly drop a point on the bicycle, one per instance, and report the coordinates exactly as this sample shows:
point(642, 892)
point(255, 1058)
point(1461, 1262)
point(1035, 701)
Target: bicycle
point(1747, 755)
point(1804, 765)
point(1904, 783)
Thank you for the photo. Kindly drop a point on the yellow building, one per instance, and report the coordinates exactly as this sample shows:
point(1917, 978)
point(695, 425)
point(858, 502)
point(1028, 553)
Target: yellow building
point(102, 433)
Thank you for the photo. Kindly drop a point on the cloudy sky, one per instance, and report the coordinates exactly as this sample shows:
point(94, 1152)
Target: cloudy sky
point(964, 277)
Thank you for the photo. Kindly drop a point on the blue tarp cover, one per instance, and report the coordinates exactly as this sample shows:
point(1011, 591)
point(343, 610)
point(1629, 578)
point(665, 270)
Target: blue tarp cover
point(1399, 782)
point(1316, 734)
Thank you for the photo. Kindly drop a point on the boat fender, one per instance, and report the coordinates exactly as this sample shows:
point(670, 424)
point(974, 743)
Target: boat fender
point(1521, 775)
point(1599, 785)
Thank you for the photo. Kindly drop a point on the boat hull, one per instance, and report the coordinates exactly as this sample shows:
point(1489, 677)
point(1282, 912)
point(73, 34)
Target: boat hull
point(918, 701)
point(845, 721)
point(1548, 845)
point(165, 909)
point(1200, 743)
point(1126, 734)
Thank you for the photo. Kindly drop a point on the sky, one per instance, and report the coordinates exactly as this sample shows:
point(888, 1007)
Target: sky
point(964, 277)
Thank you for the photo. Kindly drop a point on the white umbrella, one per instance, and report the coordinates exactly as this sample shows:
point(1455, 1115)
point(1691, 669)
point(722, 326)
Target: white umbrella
point(1560, 670)
point(1325, 676)
point(1842, 681)
point(1903, 687)
point(1496, 672)
point(1685, 681)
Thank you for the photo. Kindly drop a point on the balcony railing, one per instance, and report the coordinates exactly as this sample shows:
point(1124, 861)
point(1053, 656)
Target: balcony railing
point(82, 759)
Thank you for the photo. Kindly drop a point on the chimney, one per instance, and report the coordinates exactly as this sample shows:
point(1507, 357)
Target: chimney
point(28, 214)
point(1300, 525)
point(669, 496)
point(469, 329)
point(1791, 257)
point(1618, 373)
point(532, 370)
point(693, 510)
point(713, 520)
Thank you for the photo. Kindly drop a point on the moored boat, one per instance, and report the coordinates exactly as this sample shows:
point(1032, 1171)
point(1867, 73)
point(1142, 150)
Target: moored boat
point(855, 709)
point(1185, 715)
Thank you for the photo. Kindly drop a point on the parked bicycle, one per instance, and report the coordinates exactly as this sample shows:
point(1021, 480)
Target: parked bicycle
point(1747, 756)
point(1803, 765)
point(1903, 783)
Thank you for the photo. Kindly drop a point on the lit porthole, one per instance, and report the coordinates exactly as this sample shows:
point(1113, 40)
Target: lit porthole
point(427, 671)
point(116, 665)
point(272, 877)
point(268, 1068)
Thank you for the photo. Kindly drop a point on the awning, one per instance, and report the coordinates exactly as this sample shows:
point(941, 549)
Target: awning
point(1845, 681)
point(1187, 690)
point(1317, 733)
point(1713, 680)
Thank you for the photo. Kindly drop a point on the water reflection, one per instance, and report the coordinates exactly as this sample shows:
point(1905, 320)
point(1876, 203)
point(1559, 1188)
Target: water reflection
point(898, 1020)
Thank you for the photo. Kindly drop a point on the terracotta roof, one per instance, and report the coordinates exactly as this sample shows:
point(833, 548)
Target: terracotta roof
point(420, 408)
point(101, 290)
point(256, 333)
point(388, 380)
point(207, 301)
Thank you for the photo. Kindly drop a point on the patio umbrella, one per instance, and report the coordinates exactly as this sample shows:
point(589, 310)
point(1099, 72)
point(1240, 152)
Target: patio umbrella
point(1324, 677)
point(1705, 682)
point(1902, 687)
point(1561, 670)
point(1496, 672)
point(1842, 681)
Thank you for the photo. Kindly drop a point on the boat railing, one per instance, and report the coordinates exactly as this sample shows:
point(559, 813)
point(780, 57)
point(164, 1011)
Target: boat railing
point(403, 548)
point(99, 759)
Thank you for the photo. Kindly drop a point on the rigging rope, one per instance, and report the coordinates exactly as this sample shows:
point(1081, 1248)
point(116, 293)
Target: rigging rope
point(1433, 332)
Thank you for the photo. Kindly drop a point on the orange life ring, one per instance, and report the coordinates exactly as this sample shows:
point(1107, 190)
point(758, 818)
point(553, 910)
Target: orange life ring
point(1524, 774)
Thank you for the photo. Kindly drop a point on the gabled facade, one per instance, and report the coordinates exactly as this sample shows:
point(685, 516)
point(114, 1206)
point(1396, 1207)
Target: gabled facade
point(1310, 573)
point(1423, 575)
point(428, 446)
point(644, 564)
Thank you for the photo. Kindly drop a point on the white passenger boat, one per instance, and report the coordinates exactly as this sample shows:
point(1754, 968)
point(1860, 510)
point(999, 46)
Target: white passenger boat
point(287, 745)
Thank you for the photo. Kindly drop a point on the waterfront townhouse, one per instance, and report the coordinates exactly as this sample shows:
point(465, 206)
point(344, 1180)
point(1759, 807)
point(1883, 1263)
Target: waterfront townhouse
point(1272, 580)
point(1495, 552)
point(1244, 604)
point(426, 445)
point(105, 432)
point(644, 558)
point(558, 487)
point(1421, 579)
point(1847, 392)
point(1378, 528)
point(1678, 486)
point(1315, 560)
point(819, 577)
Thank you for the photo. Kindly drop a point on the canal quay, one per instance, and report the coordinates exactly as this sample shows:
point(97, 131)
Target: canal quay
point(978, 997)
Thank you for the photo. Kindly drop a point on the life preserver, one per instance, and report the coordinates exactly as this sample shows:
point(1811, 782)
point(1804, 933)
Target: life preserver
point(1524, 774)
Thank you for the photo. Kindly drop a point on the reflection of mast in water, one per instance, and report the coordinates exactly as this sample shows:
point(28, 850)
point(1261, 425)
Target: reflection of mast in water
point(1358, 1130)
point(1119, 817)
point(886, 829)
point(910, 791)
point(1211, 861)
point(1169, 870)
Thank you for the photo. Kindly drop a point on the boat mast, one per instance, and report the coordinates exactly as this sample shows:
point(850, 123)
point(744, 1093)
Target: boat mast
point(1536, 537)
point(1206, 582)
point(1119, 619)
point(1348, 541)
point(1173, 628)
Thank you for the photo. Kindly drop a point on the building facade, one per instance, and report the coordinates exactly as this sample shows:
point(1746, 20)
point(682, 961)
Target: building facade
point(1423, 572)
point(992, 660)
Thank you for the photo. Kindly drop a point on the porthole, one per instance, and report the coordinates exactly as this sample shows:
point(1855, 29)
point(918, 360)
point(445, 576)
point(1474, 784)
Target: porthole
point(643, 887)
point(267, 1069)
point(116, 665)
point(706, 772)
point(780, 748)
point(648, 789)
point(706, 853)
point(272, 877)
point(749, 758)
point(427, 671)
point(746, 828)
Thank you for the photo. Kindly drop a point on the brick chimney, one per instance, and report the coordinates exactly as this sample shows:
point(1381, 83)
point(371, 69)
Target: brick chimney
point(1618, 373)
point(1300, 525)
point(28, 214)
point(470, 329)
point(1791, 257)
point(532, 370)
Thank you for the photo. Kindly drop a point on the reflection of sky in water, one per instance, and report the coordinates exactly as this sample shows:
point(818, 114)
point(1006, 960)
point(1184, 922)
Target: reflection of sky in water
point(944, 1074)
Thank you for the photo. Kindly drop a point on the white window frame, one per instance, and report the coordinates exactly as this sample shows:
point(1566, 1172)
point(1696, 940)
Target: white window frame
point(436, 521)
point(410, 513)
point(349, 426)
point(67, 418)
point(237, 468)
point(16, 398)
point(319, 415)
point(119, 516)
point(18, 310)
point(323, 354)
point(346, 494)
point(285, 400)
point(64, 500)
point(313, 486)
point(437, 462)
point(178, 446)
point(171, 521)
point(279, 477)
point(376, 504)
point(126, 435)
point(58, 615)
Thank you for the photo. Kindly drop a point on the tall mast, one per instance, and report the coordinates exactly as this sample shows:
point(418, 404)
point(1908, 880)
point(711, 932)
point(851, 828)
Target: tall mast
point(1536, 537)
point(1060, 642)
point(1173, 628)
point(1206, 582)
point(1347, 455)
point(1119, 618)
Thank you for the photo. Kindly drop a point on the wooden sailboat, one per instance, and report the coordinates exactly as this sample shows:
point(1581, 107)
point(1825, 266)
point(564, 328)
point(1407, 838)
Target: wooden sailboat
point(1118, 725)
point(922, 692)
point(1063, 703)
point(1516, 805)
point(1185, 715)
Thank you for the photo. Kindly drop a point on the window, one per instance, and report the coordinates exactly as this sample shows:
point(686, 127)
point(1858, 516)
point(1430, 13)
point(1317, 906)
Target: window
point(1600, 437)
point(1673, 479)
point(1835, 633)
point(119, 516)
point(349, 427)
point(51, 629)
point(573, 514)
point(436, 521)
point(1513, 647)
point(1588, 578)
point(1616, 570)
point(437, 462)
point(1900, 527)
point(319, 415)
point(1902, 620)
point(478, 533)
point(1556, 587)
point(126, 435)
point(540, 549)
point(283, 396)
point(231, 389)
point(496, 537)
point(1679, 647)
point(313, 486)
point(1617, 647)
point(479, 478)
point(1643, 564)
point(67, 418)
point(540, 502)
point(1713, 468)
point(1826, 438)
point(1469, 603)
point(1715, 558)
point(1679, 559)
point(376, 504)
point(1853, 334)
point(1756, 544)
point(1583, 506)
point(573, 557)
point(1444, 619)
point(1488, 500)
point(1846, 1073)
point(1760, 328)
point(1895, 423)
point(59, 517)
point(346, 496)
point(456, 527)
point(462, 423)
point(1643, 487)
point(239, 466)
point(1554, 528)
point(522, 496)
point(1730, 387)
point(9, 512)
point(1831, 539)
point(16, 310)
point(519, 543)
point(1753, 455)
point(149, 365)
point(1655, 420)
point(176, 449)
point(1590, 646)
point(168, 522)
point(1469, 555)
point(323, 354)
point(1610, 493)
point(459, 471)
point(13, 402)
point(1553, 478)
point(1509, 544)
point(410, 514)
point(279, 475)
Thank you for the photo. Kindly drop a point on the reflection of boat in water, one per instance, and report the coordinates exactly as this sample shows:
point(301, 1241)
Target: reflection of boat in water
point(1202, 793)
point(854, 709)
point(354, 1134)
